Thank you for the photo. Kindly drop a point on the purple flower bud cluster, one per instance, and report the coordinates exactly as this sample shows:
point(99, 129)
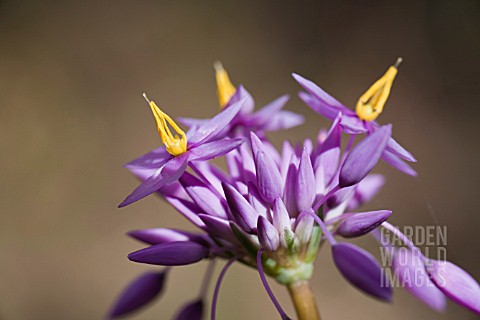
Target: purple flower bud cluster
point(272, 209)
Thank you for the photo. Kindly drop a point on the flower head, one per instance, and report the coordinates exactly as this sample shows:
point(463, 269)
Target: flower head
point(272, 210)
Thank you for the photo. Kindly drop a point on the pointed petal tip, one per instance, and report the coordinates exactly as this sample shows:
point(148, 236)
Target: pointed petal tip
point(362, 223)
point(138, 293)
point(125, 203)
point(267, 234)
point(191, 311)
point(297, 77)
point(364, 156)
point(455, 283)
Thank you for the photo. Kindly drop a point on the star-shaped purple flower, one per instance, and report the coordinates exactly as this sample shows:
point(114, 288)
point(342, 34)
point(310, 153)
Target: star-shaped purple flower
point(203, 143)
point(329, 107)
point(270, 117)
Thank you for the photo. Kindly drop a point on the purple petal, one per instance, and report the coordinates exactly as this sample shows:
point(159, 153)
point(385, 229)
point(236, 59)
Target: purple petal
point(267, 234)
point(281, 220)
point(191, 122)
point(326, 162)
point(398, 163)
point(272, 151)
point(241, 165)
point(219, 228)
point(191, 311)
point(188, 209)
point(286, 158)
point(455, 283)
point(248, 165)
point(304, 227)
point(208, 201)
point(243, 213)
point(173, 189)
point(256, 143)
point(333, 139)
point(255, 199)
point(351, 124)
point(214, 149)
point(139, 292)
point(394, 147)
point(189, 180)
point(326, 99)
point(341, 196)
point(209, 172)
point(364, 156)
point(269, 181)
point(161, 235)
point(305, 187)
point(366, 190)
point(174, 168)
point(289, 192)
point(176, 253)
point(151, 160)
point(242, 94)
point(169, 173)
point(265, 114)
point(362, 223)
point(362, 270)
point(410, 271)
point(212, 128)
point(318, 106)
point(284, 120)
point(234, 164)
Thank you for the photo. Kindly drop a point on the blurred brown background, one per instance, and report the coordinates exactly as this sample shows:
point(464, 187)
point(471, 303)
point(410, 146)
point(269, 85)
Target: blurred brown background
point(71, 112)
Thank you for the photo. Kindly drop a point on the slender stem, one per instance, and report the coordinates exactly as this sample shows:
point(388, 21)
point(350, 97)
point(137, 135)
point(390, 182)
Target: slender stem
point(267, 287)
point(325, 198)
point(304, 301)
point(324, 228)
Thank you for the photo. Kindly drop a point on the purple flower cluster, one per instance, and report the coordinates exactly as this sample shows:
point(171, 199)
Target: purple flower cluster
point(271, 210)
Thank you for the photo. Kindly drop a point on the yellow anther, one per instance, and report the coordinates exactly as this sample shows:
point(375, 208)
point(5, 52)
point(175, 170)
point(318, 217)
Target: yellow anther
point(225, 89)
point(371, 103)
point(175, 144)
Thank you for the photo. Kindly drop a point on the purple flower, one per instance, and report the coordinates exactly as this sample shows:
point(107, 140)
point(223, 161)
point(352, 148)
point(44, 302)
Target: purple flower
point(271, 117)
point(369, 106)
point(168, 163)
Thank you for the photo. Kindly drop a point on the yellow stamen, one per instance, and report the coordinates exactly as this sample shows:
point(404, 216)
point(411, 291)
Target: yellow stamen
point(225, 89)
point(175, 145)
point(371, 103)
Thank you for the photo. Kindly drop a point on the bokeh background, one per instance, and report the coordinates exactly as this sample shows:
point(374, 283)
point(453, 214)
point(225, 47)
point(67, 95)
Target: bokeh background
point(71, 113)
